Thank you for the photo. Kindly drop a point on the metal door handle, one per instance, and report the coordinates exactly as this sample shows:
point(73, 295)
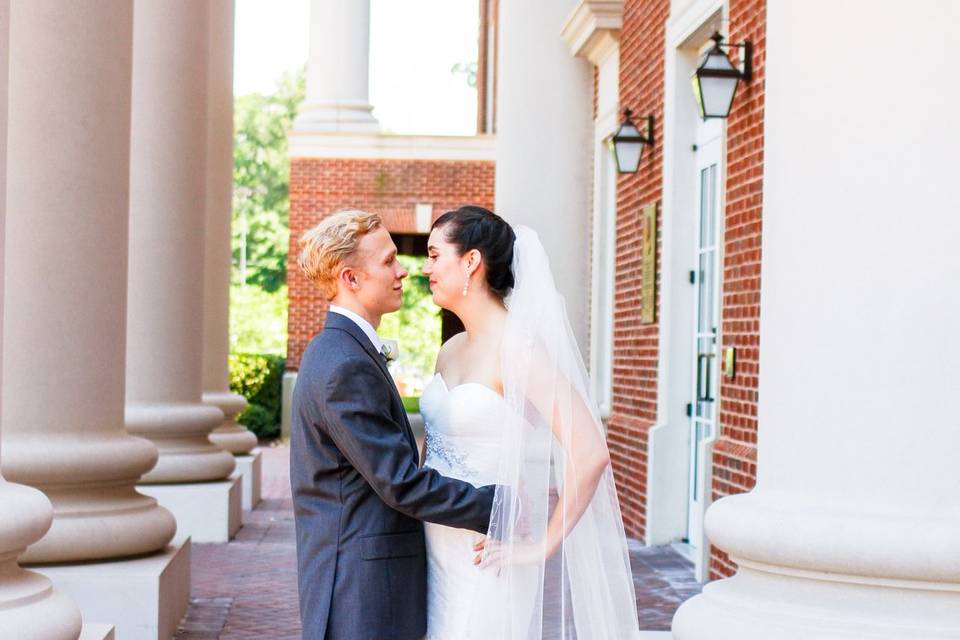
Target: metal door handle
point(703, 395)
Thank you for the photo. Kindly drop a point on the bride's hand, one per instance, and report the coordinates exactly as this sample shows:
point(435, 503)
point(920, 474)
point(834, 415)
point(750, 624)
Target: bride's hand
point(496, 554)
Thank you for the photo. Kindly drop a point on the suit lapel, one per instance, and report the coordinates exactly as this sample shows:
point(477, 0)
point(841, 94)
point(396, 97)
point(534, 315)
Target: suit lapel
point(337, 321)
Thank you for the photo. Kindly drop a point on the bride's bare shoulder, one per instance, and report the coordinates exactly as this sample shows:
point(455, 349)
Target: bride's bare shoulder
point(449, 350)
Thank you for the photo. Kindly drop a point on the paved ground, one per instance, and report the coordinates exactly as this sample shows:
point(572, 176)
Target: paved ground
point(247, 589)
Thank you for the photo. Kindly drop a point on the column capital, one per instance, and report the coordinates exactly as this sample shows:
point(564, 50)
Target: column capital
point(593, 29)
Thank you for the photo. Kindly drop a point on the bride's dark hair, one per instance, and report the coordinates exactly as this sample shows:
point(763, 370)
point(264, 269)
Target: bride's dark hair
point(477, 228)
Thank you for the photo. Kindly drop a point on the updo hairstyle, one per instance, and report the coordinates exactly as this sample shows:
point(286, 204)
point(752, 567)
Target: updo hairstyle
point(472, 227)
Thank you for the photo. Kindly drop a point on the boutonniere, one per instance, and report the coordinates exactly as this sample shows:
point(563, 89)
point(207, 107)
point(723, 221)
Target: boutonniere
point(390, 350)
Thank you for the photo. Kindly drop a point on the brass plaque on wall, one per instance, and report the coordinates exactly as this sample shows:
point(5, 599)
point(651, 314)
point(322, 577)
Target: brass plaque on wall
point(649, 292)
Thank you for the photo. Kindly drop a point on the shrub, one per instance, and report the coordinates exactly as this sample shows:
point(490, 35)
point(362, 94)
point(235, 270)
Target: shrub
point(259, 420)
point(259, 379)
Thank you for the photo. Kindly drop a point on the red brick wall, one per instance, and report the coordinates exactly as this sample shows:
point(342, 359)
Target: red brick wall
point(391, 188)
point(735, 452)
point(635, 345)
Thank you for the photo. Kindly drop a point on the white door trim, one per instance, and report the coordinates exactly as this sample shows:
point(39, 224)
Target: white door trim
point(668, 445)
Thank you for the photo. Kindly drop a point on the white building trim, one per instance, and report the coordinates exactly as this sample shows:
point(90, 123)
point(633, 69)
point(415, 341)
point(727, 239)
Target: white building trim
point(390, 147)
point(593, 32)
point(593, 29)
point(669, 438)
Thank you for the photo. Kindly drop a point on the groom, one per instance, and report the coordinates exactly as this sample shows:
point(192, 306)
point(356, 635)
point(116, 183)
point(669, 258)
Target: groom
point(358, 492)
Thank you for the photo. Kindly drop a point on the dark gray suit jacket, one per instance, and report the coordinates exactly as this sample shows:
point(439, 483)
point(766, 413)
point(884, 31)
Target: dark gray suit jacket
point(359, 495)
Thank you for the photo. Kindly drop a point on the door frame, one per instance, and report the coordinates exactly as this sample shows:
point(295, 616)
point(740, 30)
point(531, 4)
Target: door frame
point(668, 441)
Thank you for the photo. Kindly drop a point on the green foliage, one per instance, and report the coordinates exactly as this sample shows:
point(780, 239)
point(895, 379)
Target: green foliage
point(258, 320)
point(260, 421)
point(259, 379)
point(411, 404)
point(261, 182)
point(416, 327)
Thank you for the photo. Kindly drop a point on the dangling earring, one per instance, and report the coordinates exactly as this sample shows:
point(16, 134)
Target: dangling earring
point(466, 285)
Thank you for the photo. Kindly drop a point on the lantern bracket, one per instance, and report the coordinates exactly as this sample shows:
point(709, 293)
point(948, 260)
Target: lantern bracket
point(745, 64)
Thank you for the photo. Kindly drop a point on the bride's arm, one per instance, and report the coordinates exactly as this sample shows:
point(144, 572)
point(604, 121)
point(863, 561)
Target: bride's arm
point(586, 459)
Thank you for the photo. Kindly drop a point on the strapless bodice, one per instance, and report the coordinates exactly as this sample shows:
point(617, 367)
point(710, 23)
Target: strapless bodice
point(463, 430)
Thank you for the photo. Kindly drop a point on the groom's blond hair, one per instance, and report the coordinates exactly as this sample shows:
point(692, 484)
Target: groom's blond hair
point(326, 248)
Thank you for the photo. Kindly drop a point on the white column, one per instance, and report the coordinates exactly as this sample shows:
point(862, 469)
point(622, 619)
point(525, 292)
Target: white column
point(217, 251)
point(167, 211)
point(338, 71)
point(544, 141)
point(63, 357)
point(853, 530)
point(28, 604)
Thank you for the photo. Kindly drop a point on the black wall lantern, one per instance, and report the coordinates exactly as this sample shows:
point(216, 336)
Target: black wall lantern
point(716, 78)
point(628, 143)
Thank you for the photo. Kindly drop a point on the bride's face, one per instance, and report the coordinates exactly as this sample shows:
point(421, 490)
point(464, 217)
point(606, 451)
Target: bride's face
point(446, 269)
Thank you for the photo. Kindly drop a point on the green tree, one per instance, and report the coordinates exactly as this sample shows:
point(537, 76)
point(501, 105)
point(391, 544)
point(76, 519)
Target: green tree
point(416, 327)
point(261, 182)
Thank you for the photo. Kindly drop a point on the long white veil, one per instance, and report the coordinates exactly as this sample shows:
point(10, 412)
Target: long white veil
point(553, 436)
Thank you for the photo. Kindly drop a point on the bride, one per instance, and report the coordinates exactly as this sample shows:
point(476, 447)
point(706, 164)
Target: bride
point(509, 406)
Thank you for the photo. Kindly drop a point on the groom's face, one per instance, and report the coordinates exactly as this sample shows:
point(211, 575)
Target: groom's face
point(379, 274)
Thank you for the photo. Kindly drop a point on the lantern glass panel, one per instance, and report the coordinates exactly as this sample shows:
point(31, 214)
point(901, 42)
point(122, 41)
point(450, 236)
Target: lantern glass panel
point(627, 129)
point(716, 59)
point(716, 96)
point(628, 155)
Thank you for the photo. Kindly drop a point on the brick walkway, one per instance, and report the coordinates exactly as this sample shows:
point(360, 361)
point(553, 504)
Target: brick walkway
point(247, 589)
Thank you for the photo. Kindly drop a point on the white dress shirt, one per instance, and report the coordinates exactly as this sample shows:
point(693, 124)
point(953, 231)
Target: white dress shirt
point(365, 326)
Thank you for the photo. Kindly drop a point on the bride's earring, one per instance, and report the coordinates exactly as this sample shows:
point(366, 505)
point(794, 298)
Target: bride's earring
point(466, 285)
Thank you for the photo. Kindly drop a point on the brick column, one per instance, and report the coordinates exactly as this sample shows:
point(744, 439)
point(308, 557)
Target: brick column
point(63, 387)
point(217, 252)
point(167, 211)
point(28, 603)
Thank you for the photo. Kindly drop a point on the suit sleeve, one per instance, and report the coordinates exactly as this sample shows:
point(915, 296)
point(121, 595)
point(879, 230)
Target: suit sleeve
point(357, 417)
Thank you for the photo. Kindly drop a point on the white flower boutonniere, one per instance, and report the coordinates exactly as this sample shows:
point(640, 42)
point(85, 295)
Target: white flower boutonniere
point(390, 350)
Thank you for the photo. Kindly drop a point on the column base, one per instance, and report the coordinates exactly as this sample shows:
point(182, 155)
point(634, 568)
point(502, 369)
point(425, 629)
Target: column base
point(97, 632)
point(101, 523)
point(234, 438)
point(180, 431)
point(144, 598)
point(32, 609)
point(250, 468)
point(760, 605)
point(205, 511)
point(230, 436)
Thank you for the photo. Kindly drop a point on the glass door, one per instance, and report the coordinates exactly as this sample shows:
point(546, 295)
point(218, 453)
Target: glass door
point(705, 278)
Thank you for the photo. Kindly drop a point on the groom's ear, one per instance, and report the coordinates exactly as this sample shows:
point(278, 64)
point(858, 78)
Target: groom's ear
point(348, 277)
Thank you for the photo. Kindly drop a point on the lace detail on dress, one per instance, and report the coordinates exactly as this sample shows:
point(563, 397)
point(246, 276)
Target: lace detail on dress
point(437, 446)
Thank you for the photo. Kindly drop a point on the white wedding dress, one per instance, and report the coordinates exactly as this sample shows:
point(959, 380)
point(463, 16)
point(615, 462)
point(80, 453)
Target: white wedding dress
point(584, 588)
point(463, 440)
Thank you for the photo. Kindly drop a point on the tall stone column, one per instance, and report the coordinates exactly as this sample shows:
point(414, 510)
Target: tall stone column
point(217, 251)
point(543, 178)
point(28, 603)
point(338, 73)
point(853, 529)
point(167, 211)
point(65, 307)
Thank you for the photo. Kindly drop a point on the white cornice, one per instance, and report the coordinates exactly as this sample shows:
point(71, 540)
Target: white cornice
point(303, 144)
point(593, 29)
